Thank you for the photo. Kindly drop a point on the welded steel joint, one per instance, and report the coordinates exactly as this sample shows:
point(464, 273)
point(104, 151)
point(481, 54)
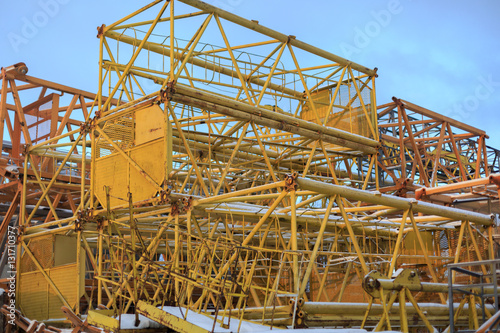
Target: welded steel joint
point(86, 127)
point(397, 101)
point(187, 204)
point(284, 126)
point(25, 149)
point(290, 182)
point(174, 210)
point(20, 232)
point(80, 326)
point(165, 196)
point(374, 282)
point(100, 30)
point(166, 94)
point(83, 217)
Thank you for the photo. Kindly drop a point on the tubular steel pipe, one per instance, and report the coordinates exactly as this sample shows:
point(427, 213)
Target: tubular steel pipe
point(164, 50)
point(491, 179)
point(341, 308)
point(396, 202)
point(282, 125)
point(431, 287)
point(264, 113)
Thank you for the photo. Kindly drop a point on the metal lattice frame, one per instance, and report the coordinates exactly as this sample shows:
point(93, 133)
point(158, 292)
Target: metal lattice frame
point(243, 194)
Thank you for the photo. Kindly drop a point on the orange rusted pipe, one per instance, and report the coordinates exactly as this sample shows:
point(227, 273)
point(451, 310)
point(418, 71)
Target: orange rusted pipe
point(492, 179)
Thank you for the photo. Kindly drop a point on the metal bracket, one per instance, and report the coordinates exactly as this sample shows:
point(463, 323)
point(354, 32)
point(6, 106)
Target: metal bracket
point(291, 182)
point(174, 208)
point(166, 94)
point(187, 204)
point(100, 31)
point(83, 217)
point(20, 232)
point(165, 196)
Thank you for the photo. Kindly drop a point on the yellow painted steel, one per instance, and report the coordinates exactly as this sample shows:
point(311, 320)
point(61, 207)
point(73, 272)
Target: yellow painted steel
point(195, 200)
point(103, 320)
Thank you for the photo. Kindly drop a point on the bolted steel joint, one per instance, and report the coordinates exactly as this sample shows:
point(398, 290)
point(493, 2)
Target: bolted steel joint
point(100, 31)
point(174, 210)
point(85, 127)
point(291, 182)
point(187, 203)
point(83, 216)
point(20, 232)
point(100, 222)
point(165, 196)
point(166, 94)
point(25, 149)
point(79, 225)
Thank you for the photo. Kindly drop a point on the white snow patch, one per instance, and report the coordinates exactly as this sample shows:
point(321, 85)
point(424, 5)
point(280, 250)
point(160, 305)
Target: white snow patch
point(206, 322)
point(128, 320)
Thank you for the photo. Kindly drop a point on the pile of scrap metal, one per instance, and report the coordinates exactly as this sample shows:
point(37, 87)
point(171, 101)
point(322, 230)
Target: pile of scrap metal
point(224, 187)
point(13, 317)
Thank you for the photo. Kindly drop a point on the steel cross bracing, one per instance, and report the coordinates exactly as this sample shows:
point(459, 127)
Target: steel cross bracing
point(35, 112)
point(243, 180)
point(437, 151)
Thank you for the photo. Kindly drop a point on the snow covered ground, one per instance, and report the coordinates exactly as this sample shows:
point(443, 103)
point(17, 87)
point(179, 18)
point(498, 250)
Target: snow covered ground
point(207, 323)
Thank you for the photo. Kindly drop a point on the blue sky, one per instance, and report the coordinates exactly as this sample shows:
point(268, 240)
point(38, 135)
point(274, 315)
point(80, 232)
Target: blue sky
point(442, 55)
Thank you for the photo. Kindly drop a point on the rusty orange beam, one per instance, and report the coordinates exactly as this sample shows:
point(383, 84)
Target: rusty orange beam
point(492, 179)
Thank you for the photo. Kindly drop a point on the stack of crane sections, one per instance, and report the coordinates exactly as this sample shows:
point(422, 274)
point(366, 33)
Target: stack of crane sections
point(242, 180)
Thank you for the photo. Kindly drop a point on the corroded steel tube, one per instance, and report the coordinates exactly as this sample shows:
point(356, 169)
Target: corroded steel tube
point(396, 202)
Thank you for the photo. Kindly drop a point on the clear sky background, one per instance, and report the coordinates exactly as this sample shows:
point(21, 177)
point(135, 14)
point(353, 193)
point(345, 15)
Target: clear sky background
point(442, 55)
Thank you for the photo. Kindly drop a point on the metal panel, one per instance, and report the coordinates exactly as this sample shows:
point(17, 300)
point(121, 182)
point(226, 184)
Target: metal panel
point(42, 249)
point(113, 169)
point(64, 250)
point(150, 157)
point(64, 277)
point(149, 124)
point(350, 118)
point(116, 172)
point(33, 294)
point(41, 302)
point(98, 319)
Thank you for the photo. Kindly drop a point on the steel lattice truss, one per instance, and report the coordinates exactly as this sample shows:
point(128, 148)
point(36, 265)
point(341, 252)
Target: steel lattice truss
point(241, 176)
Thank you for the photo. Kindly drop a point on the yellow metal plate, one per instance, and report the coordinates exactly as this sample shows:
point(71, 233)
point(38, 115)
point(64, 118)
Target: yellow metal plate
point(149, 124)
point(117, 173)
point(167, 319)
point(103, 321)
point(39, 301)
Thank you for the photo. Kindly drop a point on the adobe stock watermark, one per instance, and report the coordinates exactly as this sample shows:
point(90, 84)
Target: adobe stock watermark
point(11, 279)
point(484, 89)
point(32, 25)
point(364, 35)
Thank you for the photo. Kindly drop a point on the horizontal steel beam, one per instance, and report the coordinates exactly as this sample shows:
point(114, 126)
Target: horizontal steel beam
point(240, 110)
point(396, 202)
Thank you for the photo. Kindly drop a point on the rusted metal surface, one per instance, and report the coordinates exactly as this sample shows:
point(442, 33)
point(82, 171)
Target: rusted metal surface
point(173, 322)
point(78, 324)
point(13, 315)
